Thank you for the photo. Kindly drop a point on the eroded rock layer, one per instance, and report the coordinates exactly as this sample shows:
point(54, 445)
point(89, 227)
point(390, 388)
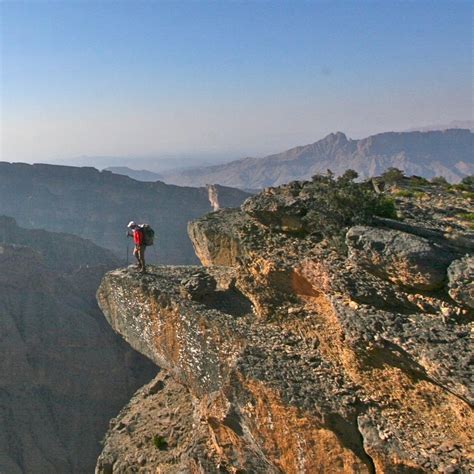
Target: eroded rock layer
point(289, 356)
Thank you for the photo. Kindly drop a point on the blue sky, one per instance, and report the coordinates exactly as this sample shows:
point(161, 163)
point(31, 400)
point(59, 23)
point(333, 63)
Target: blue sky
point(224, 79)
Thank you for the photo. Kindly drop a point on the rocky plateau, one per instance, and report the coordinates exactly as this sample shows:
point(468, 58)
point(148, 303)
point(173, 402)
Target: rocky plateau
point(291, 352)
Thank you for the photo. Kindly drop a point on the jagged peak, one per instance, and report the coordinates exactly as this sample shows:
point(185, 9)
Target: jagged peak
point(339, 136)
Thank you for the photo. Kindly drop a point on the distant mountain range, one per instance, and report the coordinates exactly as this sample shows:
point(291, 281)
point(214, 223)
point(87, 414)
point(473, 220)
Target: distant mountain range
point(448, 153)
point(466, 124)
point(139, 175)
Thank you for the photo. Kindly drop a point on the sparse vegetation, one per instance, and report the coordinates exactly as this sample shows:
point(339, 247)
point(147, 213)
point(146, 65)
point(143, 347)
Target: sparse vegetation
point(460, 187)
point(418, 181)
point(337, 204)
point(467, 184)
point(404, 193)
point(160, 442)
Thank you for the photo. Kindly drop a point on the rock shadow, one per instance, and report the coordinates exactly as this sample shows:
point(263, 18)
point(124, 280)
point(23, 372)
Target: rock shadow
point(230, 301)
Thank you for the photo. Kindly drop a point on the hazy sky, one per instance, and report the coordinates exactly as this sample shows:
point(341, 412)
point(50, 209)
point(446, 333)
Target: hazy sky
point(136, 78)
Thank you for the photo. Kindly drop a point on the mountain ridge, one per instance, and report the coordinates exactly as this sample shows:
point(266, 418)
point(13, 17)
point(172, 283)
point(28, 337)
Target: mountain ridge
point(139, 175)
point(447, 153)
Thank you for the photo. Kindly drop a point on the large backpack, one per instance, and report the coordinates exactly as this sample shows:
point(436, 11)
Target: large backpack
point(148, 234)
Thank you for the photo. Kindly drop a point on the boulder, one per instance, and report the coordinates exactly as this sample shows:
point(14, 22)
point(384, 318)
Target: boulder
point(404, 259)
point(215, 237)
point(198, 286)
point(461, 281)
point(283, 211)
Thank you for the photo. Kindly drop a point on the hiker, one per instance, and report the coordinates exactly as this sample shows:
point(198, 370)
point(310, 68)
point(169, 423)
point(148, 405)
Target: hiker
point(139, 240)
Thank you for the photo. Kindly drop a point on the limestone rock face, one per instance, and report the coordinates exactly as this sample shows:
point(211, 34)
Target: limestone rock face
point(302, 359)
point(221, 197)
point(63, 372)
point(402, 258)
point(215, 239)
point(233, 370)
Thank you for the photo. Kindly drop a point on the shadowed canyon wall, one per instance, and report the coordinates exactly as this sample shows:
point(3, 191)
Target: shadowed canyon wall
point(63, 372)
point(98, 206)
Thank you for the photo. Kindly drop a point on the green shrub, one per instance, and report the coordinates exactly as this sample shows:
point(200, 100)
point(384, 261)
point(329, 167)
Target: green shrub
point(349, 176)
point(404, 193)
point(160, 442)
point(462, 187)
point(418, 181)
point(439, 181)
point(392, 176)
point(468, 181)
point(468, 216)
point(385, 207)
point(337, 204)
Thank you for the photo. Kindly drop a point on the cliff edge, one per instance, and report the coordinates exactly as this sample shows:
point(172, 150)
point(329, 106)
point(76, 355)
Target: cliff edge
point(304, 344)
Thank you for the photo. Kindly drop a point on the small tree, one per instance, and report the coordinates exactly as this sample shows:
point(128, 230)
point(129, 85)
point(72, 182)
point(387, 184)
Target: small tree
point(349, 176)
point(468, 181)
point(392, 176)
point(439, 181)
point(160, 442)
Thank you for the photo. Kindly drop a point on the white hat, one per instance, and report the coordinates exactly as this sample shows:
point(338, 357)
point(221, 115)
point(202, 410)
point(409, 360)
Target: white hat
point(132, 224)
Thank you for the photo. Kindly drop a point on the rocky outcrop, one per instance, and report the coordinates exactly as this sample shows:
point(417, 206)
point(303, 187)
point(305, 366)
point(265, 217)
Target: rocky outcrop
point(215, 240)
point(98, 205)
point(224, 197)
point(403, 258)
point(295, 357)
point(63, 372)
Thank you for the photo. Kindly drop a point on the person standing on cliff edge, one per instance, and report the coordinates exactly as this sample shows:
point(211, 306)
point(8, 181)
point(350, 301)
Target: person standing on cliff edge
point(139, 240)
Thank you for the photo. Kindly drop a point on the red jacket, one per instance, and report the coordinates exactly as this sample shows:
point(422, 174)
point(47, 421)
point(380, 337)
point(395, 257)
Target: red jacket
point(138, 236)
